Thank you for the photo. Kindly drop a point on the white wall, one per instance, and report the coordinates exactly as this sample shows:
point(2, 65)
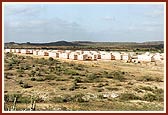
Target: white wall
point(8, 50)
point(52, 54)
point(64, 55)
point(106, 56)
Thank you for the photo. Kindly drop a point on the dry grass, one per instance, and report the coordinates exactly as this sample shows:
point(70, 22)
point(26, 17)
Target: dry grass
point(91, 79)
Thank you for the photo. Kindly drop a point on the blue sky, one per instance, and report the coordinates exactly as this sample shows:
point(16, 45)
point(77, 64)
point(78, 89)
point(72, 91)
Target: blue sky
point(83, 22)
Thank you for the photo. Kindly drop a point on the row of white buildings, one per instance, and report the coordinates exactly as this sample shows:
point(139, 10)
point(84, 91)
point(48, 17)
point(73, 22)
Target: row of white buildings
point(92, 55)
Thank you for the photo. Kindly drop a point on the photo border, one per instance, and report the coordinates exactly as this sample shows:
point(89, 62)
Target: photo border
point(89, 112)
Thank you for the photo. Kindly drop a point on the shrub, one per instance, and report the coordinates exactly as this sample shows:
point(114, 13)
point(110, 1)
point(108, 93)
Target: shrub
point(147, 88)
point(149, 97)
point(158, 91)
point(74, 86)
point(61, 79)
point(11, 97)
point(50, 77)
point(50, 59)
point(58, 100)
point(100, 90)
point(25, 67)
point(102, 84)
point(9, 66)
point(128, 96)
point(33, 79)
point(33, 73)
point(79, 67)
point(20, 71)
point(40, 79)
point(157, 79)
point(130, 83)
point(118, 75)
point(38, 73)
point(94, 77)
point(79, 98)
point(145, 78)
point(112, 88)
point(62, 88)
point(24, 99)
point(20, 82)
point(78, 79)
point(61, 99)
point(25, 85)
point(71, 72)
point(20, 75)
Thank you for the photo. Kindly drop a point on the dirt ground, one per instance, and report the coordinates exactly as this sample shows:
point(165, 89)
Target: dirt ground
point(136, 83)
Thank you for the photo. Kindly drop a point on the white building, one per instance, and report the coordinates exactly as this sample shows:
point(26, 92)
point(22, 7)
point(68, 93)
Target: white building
point(8, 50)
point(18, 51)
point(14, 50)
point(148, 58)
point(117, 55)
point(52, 54)
point(73, 56)
point(158, 57)
point(30, 51)
point(79, 52)
point(107, 56)
point(24, 51)
point(86, 52)
point(35, 52)
point(64, 55)
point(43, 53)
point(83, 57)
point(126, 57)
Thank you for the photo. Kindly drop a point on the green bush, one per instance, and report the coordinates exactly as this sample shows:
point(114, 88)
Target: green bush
point(25, 85)
point(79, 67)
point(11, 97)
point(147, 88)
point(50, 59)
point(145, 78)
point(50, 77)
point(20, 75)
point(112, 88)
point(33, 73)
point(71, 72)
point(40, 79)
point(100, 90)
point(118, 75)
point(61, 99)
point(158, 91)
point(25, 67)
point(149, 97)
point(33, 79)
point(20, 71)
point(78, 79)
point(79, 98)
point(20, 82)
point(74, 86)
point(62, 88)
point(128, 96)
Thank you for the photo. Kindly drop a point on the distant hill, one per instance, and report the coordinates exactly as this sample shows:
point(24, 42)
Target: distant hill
point(153, 42)
point(89, 45)
point(58, 43)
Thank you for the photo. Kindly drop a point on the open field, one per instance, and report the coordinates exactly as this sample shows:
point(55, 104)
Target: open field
point(71, 85)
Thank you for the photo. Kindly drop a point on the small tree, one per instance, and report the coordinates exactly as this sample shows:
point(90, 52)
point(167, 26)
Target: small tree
point(50, 59)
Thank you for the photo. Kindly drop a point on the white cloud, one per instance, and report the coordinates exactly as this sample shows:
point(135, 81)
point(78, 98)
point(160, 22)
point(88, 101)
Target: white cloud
point(109, 18)
point(22, 9)
point(155, 11)
point(44, 29)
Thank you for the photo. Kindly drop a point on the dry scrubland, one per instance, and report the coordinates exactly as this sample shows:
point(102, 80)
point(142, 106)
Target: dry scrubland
point(68, 85)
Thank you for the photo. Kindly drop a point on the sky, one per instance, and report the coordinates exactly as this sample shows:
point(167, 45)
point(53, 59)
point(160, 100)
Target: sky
point(83, 22)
